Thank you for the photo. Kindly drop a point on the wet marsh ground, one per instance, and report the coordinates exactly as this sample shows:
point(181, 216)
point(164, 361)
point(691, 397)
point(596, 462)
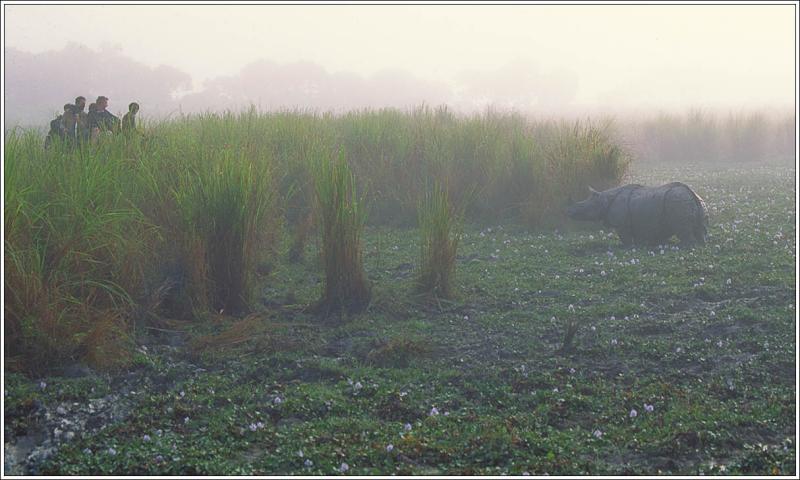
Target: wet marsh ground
point(683, 363)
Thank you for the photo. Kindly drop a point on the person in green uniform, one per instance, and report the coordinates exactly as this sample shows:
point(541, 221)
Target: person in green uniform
point(129, 119)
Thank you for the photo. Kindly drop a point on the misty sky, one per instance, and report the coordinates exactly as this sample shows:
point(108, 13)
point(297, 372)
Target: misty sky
point(527, 56)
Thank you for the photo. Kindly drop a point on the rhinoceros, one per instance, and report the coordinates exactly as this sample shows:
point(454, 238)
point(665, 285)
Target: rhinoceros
point(647, 215)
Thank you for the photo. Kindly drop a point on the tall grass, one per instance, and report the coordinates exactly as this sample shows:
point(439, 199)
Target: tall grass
point(341, 215)
point(227, 204)
point(440, 224)
point(702, 137)
point(74, 249)
point(173, 223)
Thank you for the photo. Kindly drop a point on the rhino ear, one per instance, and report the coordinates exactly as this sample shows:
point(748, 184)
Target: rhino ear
point(592, 190)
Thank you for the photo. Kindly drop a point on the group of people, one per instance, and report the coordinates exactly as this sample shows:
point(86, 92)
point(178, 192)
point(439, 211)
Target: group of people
point(76, 127)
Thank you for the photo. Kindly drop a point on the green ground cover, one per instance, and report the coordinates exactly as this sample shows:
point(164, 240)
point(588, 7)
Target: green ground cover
point(683, 362)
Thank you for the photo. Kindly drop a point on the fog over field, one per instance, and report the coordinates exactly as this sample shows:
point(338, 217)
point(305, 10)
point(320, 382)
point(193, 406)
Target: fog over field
point(552, 60)
point(525, 240)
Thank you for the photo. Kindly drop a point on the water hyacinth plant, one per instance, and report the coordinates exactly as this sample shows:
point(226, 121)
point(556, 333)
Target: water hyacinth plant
point(440, 224)
point(341, 216)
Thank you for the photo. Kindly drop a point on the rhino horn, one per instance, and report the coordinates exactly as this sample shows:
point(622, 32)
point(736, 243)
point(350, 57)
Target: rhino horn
point(592, 190)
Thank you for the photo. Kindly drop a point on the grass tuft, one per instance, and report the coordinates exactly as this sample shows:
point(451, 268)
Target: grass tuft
point(440, 224)
point(341, 215)
point(228, 208)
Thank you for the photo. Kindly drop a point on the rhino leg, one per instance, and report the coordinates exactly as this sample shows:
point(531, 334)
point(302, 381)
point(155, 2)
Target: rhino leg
point(625, 236)
point(687, 237)
point(700, 233)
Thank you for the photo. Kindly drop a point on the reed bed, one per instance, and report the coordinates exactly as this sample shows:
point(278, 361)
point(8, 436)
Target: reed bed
point(189, 209)
point(702, 137)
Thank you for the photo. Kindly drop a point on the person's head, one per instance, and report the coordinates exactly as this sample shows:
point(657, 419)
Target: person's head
point(92, 107)
point(133, 107)
point(69, 109)
point(80, 103)
point(102, 103)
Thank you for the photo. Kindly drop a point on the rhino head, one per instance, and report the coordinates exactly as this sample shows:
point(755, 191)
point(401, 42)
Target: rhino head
point(592, 208)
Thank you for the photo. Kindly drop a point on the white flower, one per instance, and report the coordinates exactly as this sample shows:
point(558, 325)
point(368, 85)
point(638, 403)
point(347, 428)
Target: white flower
point(358, 386)
point(260, 424)
point(277, 400)
point(344, 467)
point(571, 370)
point(597, 433)
point(185, 419)
point(183, 393)
point(407, 427)
point(42, 385)
point(87, 451)
point(719, 343)
point(525, 474)
point(146, 438)
point(111, 451)
point(389, 447)
point(434, 411)
point(613, 318)
point(571, 307)
point(648, 408)
point(603, 273)
point(633, 413)
point(614, 341)
point(713, 313)
point(728, 281)
point(308, 463)
point(300, 453)
point(252, 427)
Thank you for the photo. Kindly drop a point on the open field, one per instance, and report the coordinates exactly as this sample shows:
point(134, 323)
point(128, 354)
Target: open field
point(700, 344)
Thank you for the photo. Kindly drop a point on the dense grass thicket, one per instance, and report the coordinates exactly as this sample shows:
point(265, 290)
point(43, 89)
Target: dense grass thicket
point(701, 137)
point(180, 220)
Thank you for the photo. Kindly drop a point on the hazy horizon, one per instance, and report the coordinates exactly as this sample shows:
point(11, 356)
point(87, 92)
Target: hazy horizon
point(568, 60)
